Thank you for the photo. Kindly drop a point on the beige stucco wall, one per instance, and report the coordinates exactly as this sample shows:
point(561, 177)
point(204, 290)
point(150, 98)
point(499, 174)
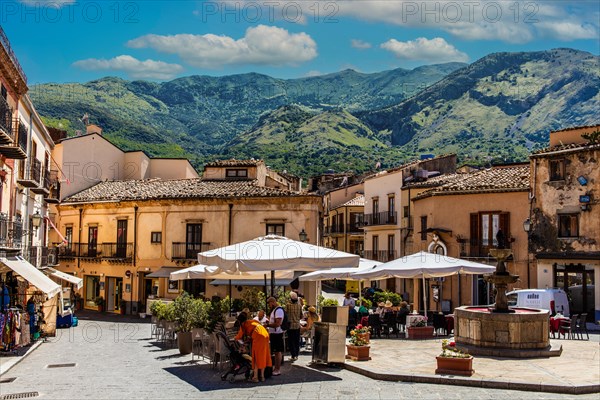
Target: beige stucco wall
point(136, 165)
point(382, 186)
point(452, 212)
point(249, 218)
point(220, 172)
point(171, 168)
point(571, 135)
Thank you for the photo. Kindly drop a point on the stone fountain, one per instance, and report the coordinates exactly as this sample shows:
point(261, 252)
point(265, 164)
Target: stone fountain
point(501, 330)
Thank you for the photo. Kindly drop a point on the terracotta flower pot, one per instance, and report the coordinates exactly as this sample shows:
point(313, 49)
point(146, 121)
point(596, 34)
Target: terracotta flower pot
point(420, 332)
point(358, 353)
point(365, 336)
point(184, 342)
point(454, 366)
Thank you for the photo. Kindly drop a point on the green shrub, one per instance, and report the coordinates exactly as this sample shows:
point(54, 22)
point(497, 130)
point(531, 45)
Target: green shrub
point(379, 297)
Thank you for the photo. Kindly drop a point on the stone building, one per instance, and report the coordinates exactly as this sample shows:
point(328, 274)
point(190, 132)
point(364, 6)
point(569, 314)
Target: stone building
point(564, 216)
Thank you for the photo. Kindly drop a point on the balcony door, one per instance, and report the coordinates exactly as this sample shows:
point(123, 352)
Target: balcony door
point(92, 241)
point(122, 238)
point(193, 241)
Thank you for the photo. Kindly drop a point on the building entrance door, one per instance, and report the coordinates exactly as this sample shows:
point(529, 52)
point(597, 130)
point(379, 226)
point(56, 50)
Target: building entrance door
point(577, 281)
point(114, 294)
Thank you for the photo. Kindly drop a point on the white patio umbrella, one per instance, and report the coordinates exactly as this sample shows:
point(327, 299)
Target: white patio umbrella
point(341, 273)
point(424, 265)
point(211, 272)
point(276, 253)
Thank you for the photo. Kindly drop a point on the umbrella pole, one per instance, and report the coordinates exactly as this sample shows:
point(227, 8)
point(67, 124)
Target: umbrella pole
point(424, 298)
point(272, 283)
point(230, 301)
point(266, 297)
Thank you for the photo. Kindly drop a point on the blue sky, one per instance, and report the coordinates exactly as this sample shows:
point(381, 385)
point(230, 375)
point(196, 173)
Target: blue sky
point(80, 40)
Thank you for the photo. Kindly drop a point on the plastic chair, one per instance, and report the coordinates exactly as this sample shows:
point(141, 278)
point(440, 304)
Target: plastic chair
point(221, 350)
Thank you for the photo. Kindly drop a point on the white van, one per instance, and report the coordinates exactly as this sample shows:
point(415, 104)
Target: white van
point(553, 300)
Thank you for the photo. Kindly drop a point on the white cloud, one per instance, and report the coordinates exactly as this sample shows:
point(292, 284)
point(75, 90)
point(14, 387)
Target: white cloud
point(312, 73)
point(360, 44)
point(507, 21)
point(262, 45)
point(149, 69)
point(48, 3)
point(423, 49)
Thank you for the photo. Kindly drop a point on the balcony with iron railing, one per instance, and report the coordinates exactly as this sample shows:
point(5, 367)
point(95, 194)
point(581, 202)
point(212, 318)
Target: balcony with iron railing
point(39, 256)
point(11, 55)
point(53, 185)
point(16, 151)
point(476, 248)
point(7, 135)
point(117, 251)
point(30, 176)
point(11, 232)
point(382, 218)
point(44, 187)
point(188, 251)
point(380, 255)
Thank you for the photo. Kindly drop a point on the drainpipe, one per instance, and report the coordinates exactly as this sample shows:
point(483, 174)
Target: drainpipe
point(26, 190)
point(79, 239)
point(135, 213)
point(230, 236)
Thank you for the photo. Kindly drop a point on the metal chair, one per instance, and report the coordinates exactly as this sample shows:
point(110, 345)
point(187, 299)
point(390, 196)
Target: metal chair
point(375, 324)
point(401, 321)
point(221, 350)
point(581, 327)
point(389, 323)
point(568, 328)
point(197, 337)
point(439, 324)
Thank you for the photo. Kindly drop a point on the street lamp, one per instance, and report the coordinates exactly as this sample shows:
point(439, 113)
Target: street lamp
point(527, 225)
point(36, 220)
point(303, 236)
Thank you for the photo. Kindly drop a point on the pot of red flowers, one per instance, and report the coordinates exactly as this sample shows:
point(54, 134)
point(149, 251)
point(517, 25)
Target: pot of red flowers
point(452, 361)
point(358, 348)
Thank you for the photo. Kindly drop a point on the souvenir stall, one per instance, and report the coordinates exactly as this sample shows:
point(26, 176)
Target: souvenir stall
point(66, 307)
point(28, 301)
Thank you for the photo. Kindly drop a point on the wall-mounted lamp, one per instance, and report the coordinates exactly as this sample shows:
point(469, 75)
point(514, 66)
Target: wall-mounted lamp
point(36, 220)
point(527, 225)
point(303, 236)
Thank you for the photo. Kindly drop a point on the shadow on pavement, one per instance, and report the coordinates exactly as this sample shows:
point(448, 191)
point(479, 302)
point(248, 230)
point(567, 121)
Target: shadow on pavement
point(206, 379)
point(87, 315)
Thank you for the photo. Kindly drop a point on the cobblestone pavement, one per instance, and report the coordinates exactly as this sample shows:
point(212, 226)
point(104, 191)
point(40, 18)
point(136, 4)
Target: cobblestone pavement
point(117, 359)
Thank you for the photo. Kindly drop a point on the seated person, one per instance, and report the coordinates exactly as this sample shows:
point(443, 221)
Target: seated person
point(363, 310)
point(261, 317)
point(403, 308)
point(310, 319)
point(380, 308)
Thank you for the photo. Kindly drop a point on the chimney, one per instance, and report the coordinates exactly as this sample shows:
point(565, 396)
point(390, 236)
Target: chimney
point(92, 128)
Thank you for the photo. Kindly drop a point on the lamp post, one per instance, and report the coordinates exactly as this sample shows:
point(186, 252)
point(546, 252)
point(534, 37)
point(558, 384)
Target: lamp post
point(303, 236)
point(527, 229)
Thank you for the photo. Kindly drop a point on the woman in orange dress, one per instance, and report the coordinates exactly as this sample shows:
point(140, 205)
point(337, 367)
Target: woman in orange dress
point(261, 352)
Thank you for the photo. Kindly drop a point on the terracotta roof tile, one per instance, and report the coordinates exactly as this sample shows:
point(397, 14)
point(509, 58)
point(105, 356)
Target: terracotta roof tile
point(155, 189)
point(574, 147)
point(437, 180)
point(358, 201)
point(496, 179)
point(234, 163)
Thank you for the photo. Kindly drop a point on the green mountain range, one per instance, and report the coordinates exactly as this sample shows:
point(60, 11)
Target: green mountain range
point(496, 109)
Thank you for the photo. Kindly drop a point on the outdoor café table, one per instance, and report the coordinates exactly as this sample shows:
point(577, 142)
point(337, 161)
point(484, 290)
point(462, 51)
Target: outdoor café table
point(411, 320)
point(555, 324)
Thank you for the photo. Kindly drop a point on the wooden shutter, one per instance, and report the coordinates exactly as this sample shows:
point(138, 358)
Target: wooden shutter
point(474, 238)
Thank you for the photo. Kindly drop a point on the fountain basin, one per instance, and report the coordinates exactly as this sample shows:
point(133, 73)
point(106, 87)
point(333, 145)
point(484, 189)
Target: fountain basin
point(523, 332)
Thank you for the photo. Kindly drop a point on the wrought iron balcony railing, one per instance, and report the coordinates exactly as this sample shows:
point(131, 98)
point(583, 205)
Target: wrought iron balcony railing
point(188, 251)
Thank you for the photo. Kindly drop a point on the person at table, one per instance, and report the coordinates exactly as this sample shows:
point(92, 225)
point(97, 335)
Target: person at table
point(403, 310)
point(261, 353)
point(261, 317)
point(349, 301)
point(363, 310)
point(380, 308)
point(310, 319)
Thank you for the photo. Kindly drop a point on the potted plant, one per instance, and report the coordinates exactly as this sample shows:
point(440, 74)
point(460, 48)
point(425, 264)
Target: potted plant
point(358, 348)
point(419, 329)
point(185, 314)
point(99, 301)
point(452, 361)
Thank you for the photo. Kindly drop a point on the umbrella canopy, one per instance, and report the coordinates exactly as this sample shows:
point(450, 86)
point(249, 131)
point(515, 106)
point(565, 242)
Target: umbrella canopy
point(364, 265)
point(276, 253)
point(211, 272)
point(423, 264)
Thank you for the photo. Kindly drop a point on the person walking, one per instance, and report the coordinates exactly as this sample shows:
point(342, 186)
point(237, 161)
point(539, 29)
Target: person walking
point(276, 333)
point(294, 312)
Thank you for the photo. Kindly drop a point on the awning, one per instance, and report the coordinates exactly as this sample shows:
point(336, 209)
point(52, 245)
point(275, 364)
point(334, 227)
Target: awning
point(31, 274)
point(78, 282)
point(163, 272)
point(255, 282)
